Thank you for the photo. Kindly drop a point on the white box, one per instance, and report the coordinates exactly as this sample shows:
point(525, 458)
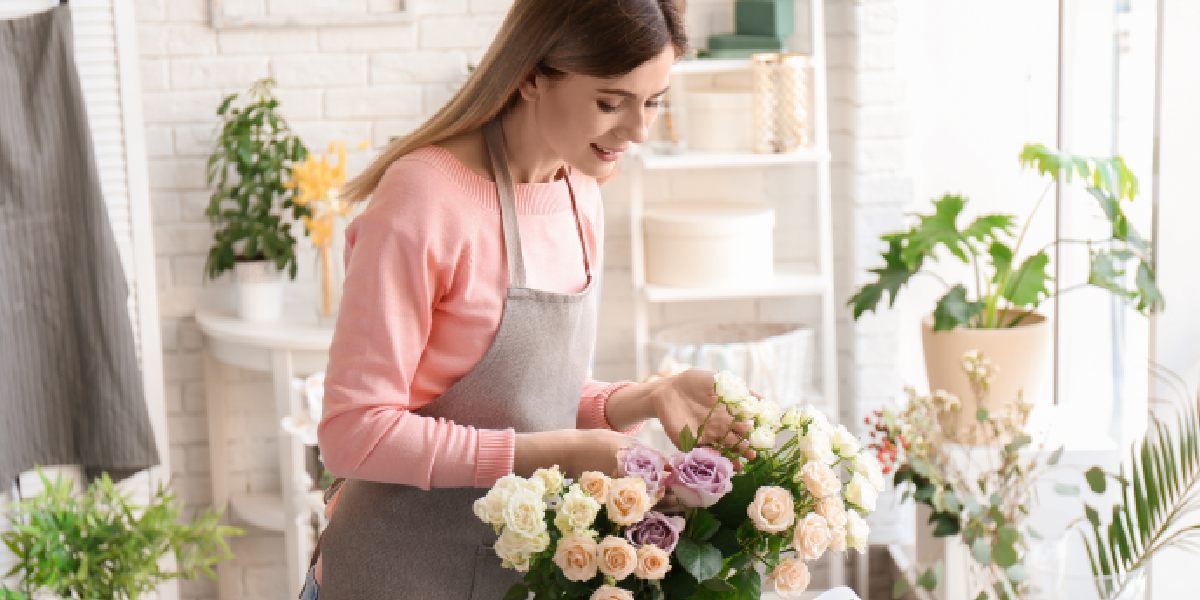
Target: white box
point(720, 120)
point(709, 245)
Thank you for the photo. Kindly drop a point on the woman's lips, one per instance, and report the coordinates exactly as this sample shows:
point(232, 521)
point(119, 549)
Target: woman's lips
point(606, 154)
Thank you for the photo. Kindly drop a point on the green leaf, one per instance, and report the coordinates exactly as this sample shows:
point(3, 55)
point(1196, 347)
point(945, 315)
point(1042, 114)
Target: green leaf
point(1027, 287)
point(899, 588)
point(518, 591)
point(989, 227)
point(1066, 489)
point(1056, 456)
point(1150, 298)
point(687, 440)
point(1002, 257)
point(702, 525)
point(982, 552)
point(954, 310)
point(938, 229)
point(1004, 554)
point(981, 415)
point(702, 561)
point(889, 279)
point(1096, 479)
point(930, 578)
point(748, 584)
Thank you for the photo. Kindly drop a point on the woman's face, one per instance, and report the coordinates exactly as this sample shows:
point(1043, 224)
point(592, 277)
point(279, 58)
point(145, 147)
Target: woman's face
point(589, 121)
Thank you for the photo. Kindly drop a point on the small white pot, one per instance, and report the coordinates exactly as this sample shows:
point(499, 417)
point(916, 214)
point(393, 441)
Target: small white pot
point(259, 289)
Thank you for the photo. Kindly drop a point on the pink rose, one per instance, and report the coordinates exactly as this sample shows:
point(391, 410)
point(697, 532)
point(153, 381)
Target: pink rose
point(618, 559)
point(701, 477)
point(772, 510)
point(791, 577)
point(820, 480)
point(812, 536)
point(652, 562)
point(577, 556)
point(611, 592)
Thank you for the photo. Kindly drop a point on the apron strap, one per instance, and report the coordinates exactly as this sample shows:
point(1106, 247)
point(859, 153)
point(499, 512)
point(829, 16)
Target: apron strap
point(508, 202)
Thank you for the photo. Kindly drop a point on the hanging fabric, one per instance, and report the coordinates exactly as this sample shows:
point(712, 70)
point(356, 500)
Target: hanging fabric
point(70, 385)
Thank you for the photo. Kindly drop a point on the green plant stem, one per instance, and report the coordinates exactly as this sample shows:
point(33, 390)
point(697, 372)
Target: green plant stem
point(993, 300)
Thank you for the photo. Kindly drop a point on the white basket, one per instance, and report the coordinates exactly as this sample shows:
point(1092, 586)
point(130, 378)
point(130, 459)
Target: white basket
point(773, 358)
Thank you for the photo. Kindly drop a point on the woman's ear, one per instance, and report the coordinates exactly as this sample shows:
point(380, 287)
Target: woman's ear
point(531, 87)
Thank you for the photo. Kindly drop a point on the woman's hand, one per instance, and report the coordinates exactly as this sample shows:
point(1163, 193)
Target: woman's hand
point(686, 399)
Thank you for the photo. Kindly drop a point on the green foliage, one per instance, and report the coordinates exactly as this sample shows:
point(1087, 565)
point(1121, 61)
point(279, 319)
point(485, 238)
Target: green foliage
point(99, 545)
point(987, 244)
point(247, 171)
point(1159, 487)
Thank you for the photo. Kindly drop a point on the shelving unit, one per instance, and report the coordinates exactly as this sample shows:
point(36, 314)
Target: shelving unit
point(814, 282)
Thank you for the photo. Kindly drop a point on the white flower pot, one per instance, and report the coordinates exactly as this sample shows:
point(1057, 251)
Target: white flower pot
point(259, 290)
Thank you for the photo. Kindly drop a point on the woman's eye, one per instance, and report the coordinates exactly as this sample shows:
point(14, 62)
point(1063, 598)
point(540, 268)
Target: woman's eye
point(654, 104)
point(606, 107)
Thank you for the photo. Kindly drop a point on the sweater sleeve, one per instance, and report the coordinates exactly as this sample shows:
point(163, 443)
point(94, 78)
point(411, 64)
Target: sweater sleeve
point(593, 404)
point(399, 261)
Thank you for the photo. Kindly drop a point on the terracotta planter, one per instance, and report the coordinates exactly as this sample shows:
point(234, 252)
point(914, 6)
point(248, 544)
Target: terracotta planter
point(1020, 355)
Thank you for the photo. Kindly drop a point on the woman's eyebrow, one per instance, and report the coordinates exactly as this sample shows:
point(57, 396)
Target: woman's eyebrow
point(629, 94)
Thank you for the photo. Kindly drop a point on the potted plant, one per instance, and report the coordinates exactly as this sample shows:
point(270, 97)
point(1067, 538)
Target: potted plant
point(100, 545)
point(248, 170)
point(998, 315)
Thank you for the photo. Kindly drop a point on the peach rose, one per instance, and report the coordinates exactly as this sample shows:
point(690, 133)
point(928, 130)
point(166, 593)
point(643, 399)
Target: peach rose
point(596, 484)
point(652, 562)
point(576, 555)
point(790, 578)
point(833, 510)
point(820, 480)
point(628, 501)
point(772, 510)
point(812, 536)
point(611, 592)
point(837, 542)
point(618, 559)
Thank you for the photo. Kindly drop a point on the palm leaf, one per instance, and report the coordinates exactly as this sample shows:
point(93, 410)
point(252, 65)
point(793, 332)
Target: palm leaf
point(1160, 485)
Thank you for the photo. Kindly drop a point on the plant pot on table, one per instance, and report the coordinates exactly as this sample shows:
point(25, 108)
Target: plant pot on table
point(259, 288)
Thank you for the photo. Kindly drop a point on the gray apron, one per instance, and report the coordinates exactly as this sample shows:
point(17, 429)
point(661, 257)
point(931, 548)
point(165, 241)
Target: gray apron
point(70, 384)
point(397, 541)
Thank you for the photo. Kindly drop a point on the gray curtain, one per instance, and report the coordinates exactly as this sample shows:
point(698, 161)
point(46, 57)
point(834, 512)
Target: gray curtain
point(70, 385)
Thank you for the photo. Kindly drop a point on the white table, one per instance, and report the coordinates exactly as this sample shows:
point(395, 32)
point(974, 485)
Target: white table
point(286, 349)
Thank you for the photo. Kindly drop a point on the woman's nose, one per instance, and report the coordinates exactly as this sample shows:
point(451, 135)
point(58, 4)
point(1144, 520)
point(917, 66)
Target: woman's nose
point(637, 128)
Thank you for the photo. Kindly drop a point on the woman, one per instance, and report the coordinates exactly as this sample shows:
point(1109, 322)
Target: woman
point(468, 318)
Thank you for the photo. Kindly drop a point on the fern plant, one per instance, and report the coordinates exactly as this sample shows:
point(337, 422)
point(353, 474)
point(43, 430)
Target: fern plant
point(1160, 485)
point(1007, 291)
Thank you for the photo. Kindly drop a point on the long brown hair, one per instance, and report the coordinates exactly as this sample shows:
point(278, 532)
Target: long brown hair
point(598, 38)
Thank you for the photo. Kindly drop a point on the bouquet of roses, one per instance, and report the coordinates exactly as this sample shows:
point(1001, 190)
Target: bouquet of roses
point(692, 525)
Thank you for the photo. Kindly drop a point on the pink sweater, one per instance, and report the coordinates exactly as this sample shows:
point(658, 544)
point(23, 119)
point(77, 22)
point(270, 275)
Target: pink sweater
point(425, 286)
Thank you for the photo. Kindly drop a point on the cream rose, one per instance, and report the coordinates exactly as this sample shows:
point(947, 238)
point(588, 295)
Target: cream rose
point(551, 480)
point(856, 532)
point(490, 508)
point(791, 419)
point(817, 446)
point(525, 513)
point(595, 484)
point(812, 536)
point(652, 562)
point(790, 577)
point(577, 511)
point(730, 387)
point(837, 542)
point(834, 511)
point(762, 438)
point(861, 493)
point(576, 555)
point(628, 501)
point(611, 592)
point(772, 510)
point(820, 480)
point(618, 559)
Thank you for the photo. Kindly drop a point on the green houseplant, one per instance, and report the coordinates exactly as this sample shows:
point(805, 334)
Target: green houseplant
point(247, 172)
point(996, 313)
point(99, 545)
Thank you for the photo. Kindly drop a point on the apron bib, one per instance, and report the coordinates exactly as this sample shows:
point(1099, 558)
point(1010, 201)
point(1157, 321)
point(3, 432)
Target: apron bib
point(398, 541)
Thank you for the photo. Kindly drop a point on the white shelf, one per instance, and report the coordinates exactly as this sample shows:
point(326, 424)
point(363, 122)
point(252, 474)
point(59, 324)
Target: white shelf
point(707, 160)
point(783, 284)
point(710, 66)
point(265, 511)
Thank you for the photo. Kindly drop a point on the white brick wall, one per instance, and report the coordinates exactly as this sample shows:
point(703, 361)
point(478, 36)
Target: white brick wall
point(374, 82)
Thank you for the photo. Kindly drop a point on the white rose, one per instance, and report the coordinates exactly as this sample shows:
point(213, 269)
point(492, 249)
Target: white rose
point(790, 578)
point(525, 513)
point(515, 549)
point(861, 493)
point(731, 388)
point(837, 541)
point(868, 466)
point(812, 536)
point(577, 511)
point(844, 442)
point(773, 509)
point(490, 508)
point(856, 532)
point(762, 438)
point(820, 480)
point(769, 413)
point(791, 419)
point(551, 480)
point(817, 446)
point(814, 418)
point(749, 408)
point(534, 486)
